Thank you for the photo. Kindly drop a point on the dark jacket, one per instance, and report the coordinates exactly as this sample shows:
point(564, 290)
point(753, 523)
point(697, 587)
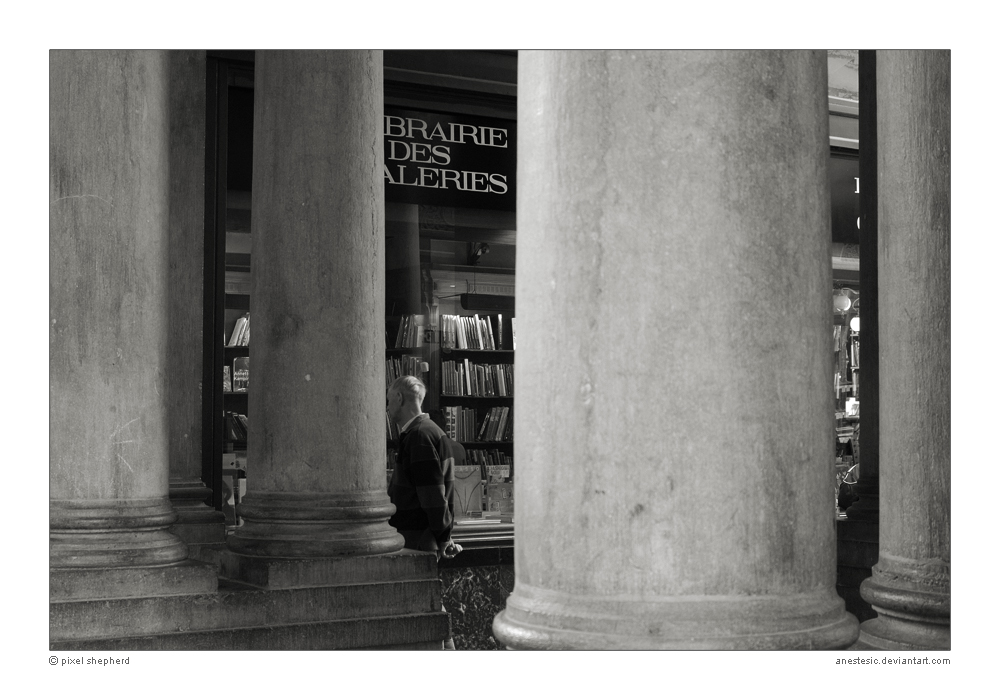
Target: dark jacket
point(423, 484)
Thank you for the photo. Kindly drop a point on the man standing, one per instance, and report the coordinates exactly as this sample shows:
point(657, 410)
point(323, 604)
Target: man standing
point(422, 487)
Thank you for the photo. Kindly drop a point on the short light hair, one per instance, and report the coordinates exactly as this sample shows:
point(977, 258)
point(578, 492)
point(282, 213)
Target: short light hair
point(410, 388)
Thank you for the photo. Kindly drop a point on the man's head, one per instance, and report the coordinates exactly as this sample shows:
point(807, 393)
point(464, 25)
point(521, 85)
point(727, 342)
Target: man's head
point(404, 398)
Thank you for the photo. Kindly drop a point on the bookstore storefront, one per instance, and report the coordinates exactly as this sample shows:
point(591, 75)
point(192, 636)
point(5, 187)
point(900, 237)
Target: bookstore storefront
point(450, 240)
point(674, 487)
point(449, 173)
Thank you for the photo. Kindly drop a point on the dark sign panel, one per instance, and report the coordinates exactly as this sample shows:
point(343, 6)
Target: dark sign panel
point(449, 160)
point(845, 201)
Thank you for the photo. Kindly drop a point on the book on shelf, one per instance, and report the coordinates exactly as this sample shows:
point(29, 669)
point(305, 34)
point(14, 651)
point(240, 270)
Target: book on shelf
point(465, 378)
point(391, 429)
point(411, 331)
point(227, 381)
point(472, 332)
point(241, 332)
point(495, 473)
point(235, 426)
point(500, 498)
point(460, 423)
point(241, 374)
point(396, 367)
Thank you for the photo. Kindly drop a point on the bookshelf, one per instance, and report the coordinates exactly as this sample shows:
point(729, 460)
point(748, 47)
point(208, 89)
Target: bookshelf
point(228, 177)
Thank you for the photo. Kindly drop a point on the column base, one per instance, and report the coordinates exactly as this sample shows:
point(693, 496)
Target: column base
point(113, 534)
point(541, 619)
point(297, 526)
point(389, 601)
point(913, 602)
point(276, 573)
point(186, 578)
point(197, 523)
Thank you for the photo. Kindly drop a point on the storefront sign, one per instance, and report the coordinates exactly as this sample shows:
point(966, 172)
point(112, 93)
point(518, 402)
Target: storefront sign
point(845, 202)
point(449, 160)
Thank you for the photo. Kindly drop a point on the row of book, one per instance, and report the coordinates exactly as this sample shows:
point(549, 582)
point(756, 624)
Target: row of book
point(461, 424)
point(462, 378)
point(487, 458)
point(241, 332)
point(235, 427)
point(396, 367)
point(411, 331)
point(472, 332)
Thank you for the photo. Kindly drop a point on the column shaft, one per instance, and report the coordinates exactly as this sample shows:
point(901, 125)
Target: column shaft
point(108, 310)
point(316, 448)
point(672, 414)
point(197, 523)
point(911, 583)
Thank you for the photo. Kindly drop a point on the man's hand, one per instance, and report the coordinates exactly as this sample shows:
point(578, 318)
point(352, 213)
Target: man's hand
point(448, 550)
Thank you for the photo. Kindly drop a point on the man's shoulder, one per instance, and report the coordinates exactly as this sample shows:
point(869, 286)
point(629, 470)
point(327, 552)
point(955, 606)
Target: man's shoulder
point(425, 426)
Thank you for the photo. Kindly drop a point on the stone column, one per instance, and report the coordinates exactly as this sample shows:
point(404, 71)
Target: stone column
point(316, 448)
point(197, 523)
point(109, 512)
point(910, 587)
point(673, 420)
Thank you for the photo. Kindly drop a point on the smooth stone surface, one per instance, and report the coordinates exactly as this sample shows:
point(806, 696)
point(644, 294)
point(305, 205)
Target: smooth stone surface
point(407, 565)
point(416, 632)
point(236, 606)
point(911, 583)
point(108, 305)
point(673, 419)
point(317, 391)
point(186, 578)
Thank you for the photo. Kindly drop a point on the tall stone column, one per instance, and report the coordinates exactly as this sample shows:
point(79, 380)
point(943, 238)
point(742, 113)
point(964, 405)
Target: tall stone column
point(108, 510)
point(316, 448)
point(673, 421)
point(910, 587)
point(197, 523)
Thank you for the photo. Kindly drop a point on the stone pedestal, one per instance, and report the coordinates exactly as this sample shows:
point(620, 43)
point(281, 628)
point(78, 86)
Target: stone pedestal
point(197, 523)
point(672, 416)
point(108, 326)
point(910, 587)
point(317, 383)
